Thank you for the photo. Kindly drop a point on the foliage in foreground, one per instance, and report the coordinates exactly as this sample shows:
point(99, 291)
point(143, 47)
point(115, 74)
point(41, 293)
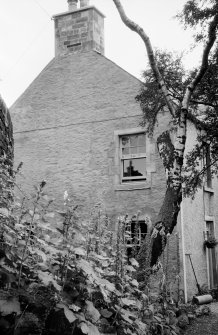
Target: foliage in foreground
point(59, 276)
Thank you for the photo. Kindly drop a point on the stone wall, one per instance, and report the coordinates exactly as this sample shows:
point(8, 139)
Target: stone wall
point(64, 133)
point(80, 159)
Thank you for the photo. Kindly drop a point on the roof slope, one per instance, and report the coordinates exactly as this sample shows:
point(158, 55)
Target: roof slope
point(75, 88)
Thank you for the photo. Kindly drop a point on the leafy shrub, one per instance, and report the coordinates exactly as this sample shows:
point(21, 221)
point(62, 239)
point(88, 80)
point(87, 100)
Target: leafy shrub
point(66, 277)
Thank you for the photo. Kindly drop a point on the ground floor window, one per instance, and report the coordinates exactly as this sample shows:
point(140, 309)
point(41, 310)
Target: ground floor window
point(136, 232)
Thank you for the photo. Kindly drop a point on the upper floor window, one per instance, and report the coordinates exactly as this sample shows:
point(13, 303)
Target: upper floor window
point(208, 164)
point(133, 157)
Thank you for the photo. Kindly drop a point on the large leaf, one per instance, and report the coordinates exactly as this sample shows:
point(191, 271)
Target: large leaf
point(80, 251)
point(21, 243)
point(86, 267)
point(41, 254)
point(128, 302)
point(99, 270)
point(47, 227)
point(42, 241)
point(134, 262)
point(105, 294)
point(157, 318)
point(134, 283)
point(92, 314)
point(105, 264)
point(36, 217)
point(141, 326)
point(50, 215)
point(9, 306)
point(130, 268)
point(89, 329)
point(68, 313)
point(106, 313)
point(78, 237)
point(81, 317)
point(47, 278)
point(106, 284)
point(4, 212)
point(84, 327)
point(100, 257)
point(127, 316)
point(53, 250)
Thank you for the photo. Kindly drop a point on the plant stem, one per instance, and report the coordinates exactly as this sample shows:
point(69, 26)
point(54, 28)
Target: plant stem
point(29, 234)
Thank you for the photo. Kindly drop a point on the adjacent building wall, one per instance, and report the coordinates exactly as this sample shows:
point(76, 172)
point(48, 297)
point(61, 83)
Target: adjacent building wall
point(195, 213)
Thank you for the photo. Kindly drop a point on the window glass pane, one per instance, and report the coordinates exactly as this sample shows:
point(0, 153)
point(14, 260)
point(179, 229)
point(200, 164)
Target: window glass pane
point(134, 167)
point(140, 165)
point(141, 140)
point(125, 151)
point(134, 140)
point(133, 150)
point(142, 150)
point(125, 141)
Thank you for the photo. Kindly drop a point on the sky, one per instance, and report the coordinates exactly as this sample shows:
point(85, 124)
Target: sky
point(27, 37)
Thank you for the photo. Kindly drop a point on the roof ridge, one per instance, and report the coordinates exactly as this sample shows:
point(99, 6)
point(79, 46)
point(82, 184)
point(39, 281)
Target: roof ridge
point(120, 67)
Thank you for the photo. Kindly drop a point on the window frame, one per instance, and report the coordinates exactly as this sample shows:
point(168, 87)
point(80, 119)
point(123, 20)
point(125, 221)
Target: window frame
point(124, 157)
point(207, 164)
point(208, 167)
point(130, 229)
point(150, 164)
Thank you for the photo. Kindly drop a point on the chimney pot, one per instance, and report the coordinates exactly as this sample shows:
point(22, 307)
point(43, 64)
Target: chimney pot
point(72, 5)
point(84, 3)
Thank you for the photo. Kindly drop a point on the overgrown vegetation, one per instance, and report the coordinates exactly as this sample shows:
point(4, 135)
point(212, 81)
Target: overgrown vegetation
point(61, 276)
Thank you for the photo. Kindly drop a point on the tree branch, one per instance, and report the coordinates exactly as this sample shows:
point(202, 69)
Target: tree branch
point(204, 63)
point(136, 28)
point(203, 103)
point(197, 102)
point(203, 170)
point(198, 123)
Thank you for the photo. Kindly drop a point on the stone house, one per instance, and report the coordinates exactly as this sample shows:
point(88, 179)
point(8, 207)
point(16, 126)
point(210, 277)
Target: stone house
point(77, 126)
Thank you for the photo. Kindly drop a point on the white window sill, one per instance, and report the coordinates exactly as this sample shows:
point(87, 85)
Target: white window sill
point(208, 189)
point(133, 186)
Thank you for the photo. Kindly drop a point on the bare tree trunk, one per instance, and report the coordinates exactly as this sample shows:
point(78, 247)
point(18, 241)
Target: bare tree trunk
point(6, 164)
point(167, 220)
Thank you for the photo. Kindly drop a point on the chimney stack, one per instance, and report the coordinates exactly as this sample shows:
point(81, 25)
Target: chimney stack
point(72, 5)
point(80, 29)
